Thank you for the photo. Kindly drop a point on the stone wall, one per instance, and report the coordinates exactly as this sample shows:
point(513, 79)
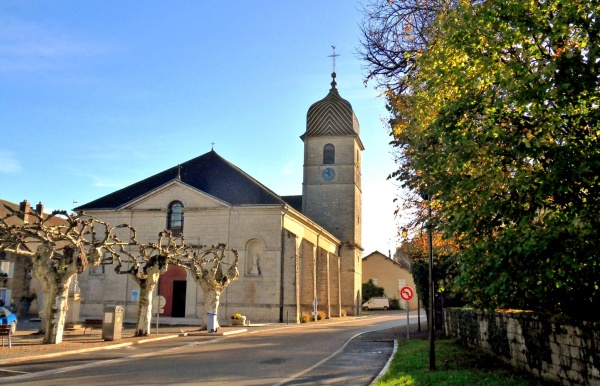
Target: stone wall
point(547, 346)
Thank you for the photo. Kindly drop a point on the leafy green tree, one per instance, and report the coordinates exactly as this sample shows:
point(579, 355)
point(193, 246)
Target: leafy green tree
point(499, 123)
point(370, 290)
point(443, 264)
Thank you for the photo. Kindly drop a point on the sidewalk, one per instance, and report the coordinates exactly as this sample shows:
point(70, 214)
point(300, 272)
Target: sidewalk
point(27, 345)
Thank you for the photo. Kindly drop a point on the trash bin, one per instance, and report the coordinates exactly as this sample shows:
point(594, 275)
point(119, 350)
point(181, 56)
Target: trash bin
point(211, 322)
point(112, 322)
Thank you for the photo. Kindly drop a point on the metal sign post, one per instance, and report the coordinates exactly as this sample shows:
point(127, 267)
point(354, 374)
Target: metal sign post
point(406, 293)
point(407, 324)
point(158, 303)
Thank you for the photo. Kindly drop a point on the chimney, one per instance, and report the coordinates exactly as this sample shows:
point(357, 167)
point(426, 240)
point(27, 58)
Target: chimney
point(40, 209)
point(25, 209)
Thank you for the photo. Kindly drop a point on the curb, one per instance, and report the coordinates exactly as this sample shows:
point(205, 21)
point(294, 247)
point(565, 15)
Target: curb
point(90, 349)
point(385, 368)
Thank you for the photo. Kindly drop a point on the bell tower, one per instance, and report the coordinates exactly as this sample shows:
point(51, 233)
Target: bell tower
point(331, 189)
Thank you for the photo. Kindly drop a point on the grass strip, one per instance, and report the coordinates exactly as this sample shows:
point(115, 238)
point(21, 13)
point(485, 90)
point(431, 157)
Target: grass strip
point(455, 365)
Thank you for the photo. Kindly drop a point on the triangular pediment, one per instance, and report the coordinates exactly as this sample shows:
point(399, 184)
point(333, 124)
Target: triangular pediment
point(161, 197)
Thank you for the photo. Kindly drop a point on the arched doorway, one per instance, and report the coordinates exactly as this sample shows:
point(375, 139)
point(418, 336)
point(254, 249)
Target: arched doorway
point(172, 285)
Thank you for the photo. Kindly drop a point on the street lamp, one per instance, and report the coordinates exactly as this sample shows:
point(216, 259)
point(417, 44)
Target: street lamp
point(426, 197)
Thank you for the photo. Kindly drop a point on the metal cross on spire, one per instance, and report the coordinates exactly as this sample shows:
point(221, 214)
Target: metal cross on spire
point(334, 55)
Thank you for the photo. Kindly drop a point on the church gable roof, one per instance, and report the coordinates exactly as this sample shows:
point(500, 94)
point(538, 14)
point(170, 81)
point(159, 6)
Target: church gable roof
point(209, 173)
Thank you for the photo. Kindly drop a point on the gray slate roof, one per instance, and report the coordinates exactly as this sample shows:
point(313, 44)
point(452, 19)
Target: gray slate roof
point(209, 173)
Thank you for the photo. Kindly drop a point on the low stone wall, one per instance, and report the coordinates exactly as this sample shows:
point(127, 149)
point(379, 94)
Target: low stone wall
point(547, 346)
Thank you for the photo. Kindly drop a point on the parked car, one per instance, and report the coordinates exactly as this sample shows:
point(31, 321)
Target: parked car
point(7, 317)
point(376, 304)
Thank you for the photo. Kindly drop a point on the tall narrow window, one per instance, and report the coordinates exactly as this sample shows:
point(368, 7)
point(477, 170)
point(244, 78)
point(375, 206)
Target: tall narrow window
point(6, 269)
point(175, 218)
point(329, 154)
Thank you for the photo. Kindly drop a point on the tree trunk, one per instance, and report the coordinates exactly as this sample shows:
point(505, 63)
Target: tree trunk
point(56, 292)
point(50, 290)
point(144, 314)
point(55, 287)
point(60, 313)
point(211, 302)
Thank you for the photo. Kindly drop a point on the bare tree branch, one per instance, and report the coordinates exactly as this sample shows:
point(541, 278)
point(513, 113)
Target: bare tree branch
point(60, 245)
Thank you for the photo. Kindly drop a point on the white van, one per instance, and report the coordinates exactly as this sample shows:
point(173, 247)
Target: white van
point(376, 304)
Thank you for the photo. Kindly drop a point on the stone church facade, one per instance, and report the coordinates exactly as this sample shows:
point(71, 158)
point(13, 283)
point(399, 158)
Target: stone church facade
point(293, 249)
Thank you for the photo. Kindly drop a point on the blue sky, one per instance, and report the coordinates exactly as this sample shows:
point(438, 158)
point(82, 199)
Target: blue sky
point(97, 95)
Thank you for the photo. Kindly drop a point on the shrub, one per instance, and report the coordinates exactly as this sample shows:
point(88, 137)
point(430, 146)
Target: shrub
point(321, 315)
point(343, 313)
point(370, 290)
point(305, 317)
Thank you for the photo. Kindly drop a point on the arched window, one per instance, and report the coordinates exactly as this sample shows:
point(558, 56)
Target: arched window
point(175, 218)
point(329, 154)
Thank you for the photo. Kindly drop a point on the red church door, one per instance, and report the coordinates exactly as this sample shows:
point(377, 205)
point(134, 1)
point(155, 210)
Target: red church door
point(172, 285)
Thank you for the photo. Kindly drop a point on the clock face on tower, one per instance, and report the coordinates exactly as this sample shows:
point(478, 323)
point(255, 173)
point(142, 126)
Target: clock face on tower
point(328, 174)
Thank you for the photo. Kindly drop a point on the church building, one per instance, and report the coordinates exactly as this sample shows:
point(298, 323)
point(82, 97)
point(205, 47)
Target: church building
point(293, 249)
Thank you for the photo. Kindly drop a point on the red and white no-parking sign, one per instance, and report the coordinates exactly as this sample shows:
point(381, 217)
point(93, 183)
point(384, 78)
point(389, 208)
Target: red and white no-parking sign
point(406, 293)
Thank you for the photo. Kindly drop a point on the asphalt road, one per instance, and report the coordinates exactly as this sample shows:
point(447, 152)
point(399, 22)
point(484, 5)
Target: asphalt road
point(351, 351)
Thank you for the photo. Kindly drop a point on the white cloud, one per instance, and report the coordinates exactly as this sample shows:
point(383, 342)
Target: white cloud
point(8, 163)
point(26, 46)
point(105, 183)
point(290, 168)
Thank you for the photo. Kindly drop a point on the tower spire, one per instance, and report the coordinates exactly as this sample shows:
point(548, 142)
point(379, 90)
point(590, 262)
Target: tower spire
point(333, 56)
point(333, 82)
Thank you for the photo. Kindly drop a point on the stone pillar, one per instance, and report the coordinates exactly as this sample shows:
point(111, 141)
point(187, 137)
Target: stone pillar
point(351, 277)
point(74, 305)
point(307, 276)
point(334, 285)
point(323, 293)
point(291, 277)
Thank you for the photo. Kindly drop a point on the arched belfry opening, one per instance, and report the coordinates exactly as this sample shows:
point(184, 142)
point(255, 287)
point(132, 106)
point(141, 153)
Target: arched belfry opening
point(328, 154)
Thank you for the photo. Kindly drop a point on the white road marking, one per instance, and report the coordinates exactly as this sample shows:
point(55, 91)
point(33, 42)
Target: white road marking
point(67, 369)
point(309, 369)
